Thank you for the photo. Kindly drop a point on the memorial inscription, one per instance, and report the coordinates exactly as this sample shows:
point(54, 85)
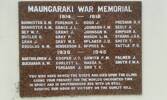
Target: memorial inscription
point(80, 48)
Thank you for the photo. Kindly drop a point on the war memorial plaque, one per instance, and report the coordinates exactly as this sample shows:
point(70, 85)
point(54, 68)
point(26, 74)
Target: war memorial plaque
point(80, 48)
